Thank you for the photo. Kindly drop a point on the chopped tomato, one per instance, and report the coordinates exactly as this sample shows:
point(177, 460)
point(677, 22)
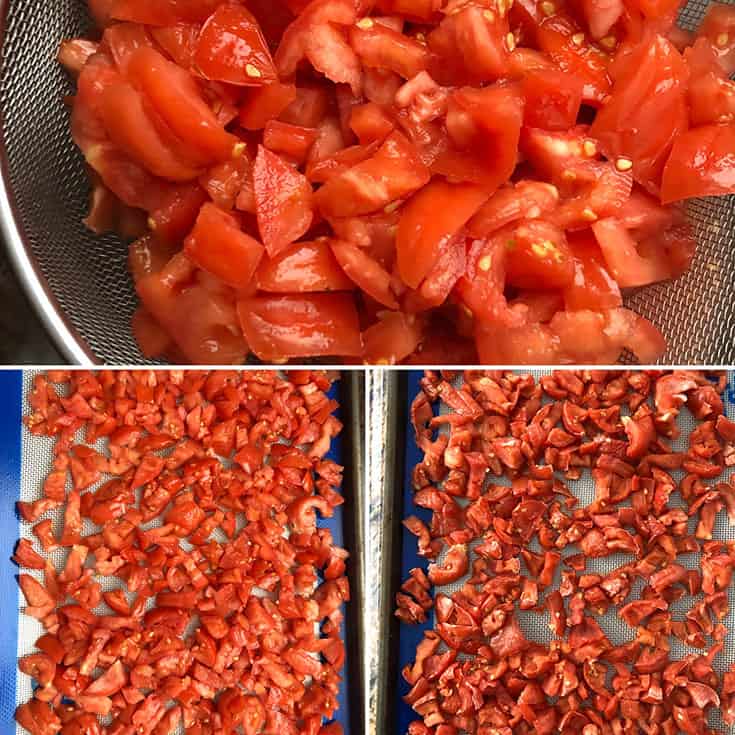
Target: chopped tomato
point(552, 99)
point(173, 220)
point(417, 10)
point(123, 39)
point(231, 48)
point(538, 256)
point(391, 339)
point(163, 12)
point(218, 246)
point(450, 266)
point(430, 218)
point(602, 15)
point(592, 286)
point(370, 122)
point(533, 344)
point(718, 27)
point(711, 93)
point(365, 271)
point(283, 200)
point(301, 268)
point(265, 103)
point(291, 140)
point(702, 163)
point(383, 48)
point(178, 41)
point(279, 327)
point(225, 182)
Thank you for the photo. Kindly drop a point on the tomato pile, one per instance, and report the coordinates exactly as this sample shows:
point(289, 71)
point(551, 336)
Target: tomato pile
point(436, 181)
point(479, 669)
point(219, 621)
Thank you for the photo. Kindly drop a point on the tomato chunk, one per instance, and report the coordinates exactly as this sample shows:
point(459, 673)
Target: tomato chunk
point(365, 271)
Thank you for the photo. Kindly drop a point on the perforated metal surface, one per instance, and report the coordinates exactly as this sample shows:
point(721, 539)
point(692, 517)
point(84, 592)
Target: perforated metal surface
point(86, 276)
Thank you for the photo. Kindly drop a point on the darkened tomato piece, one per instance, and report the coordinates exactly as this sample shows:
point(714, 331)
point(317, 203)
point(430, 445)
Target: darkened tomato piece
point(538, 256)
point(265, 103)
point(553, 99)
point(702, 163)
point(718, 27)
point(163, 12)
point(301, 268)
point(392, 339)
point(231, 48)
point(178, 41)
point(365, 271)
point(429, 219)
point(218, 246)
point(592, 286)
point(646, 110)
point(283, 199)
point(279, 327)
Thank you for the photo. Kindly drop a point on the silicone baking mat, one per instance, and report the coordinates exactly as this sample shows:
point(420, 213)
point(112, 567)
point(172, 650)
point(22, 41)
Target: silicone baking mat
point(535, 625)
point(24, 463)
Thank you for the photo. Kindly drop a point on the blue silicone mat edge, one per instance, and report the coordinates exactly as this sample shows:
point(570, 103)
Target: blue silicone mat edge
point(410, 635)
point(11, 393)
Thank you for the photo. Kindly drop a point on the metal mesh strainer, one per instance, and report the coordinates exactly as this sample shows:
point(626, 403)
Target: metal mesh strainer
point(79, 282)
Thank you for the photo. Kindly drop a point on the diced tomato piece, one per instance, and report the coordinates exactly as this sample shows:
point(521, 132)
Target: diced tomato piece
point(702, 163)
point(321, 170)
point(392, 339)
point(265, 103)
point(152, 338)
point(178, 41)
point(538, 256)
point(383, 48)
point(394, 172)
point(231, 48)
point(417, 10)
point(279, 327)
point(718, 27)
point(365, 271)
point(533, 344)
point(646, 110)
point(602, 15)
point(304, 267)
point(450, 266)
point(163, 12)
point(371, 122)
point(220, 247)
point(309, 107)
point(283, 199)
point(432, 216)
point(175, 96)
point(592, 286)
point(149, 255)
point(711, 93)
point(225, 181)
point(123, 39)
point(658, 8)
point(553, 99)
point(173, 220)
point(644, 214)
point(290, 140)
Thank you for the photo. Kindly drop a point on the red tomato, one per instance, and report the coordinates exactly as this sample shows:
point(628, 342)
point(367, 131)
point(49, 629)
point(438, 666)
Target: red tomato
point(123, 39)
point(178, 41)
point(711, 93)
point(538, 256)
point(417, 10)
point(533, 344)
point(231, 48)
point(290, 140)
point(602, 15)
point(163, 12)
point(152, 338)
point(225, 181)
point(175, 96)
point(370, 122)
point(592, 286)
point(279, 327)
point(450, 266)
point(392, 339)
point(658, 8)
point(301, 268)
point(431, 217)
point(394, 172)
point(718, 27)
point(322, 170)
point(365, 271)
point(553, 99)
point(646, 110)
point(265, 103)
point(702, 163)
point(283, 199)
point(218, 246)
point(173, 220)
point(380, 47)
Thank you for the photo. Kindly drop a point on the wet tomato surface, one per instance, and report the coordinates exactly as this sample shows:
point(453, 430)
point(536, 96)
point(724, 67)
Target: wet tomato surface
point(486, 173)
point(198, 592)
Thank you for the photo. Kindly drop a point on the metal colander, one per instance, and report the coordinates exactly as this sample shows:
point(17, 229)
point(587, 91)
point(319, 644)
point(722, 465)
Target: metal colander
point(79, 282)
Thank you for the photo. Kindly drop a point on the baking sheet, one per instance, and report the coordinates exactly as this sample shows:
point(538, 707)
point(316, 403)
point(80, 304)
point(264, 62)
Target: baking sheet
point(24, 462)
point(533, 624)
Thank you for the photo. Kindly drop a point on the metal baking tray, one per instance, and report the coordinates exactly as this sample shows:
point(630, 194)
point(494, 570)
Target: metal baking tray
point(17, 472)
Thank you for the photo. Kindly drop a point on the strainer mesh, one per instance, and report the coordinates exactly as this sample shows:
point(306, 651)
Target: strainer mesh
point(88, 275)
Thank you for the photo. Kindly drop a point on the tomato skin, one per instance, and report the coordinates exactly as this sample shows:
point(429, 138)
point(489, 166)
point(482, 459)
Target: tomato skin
point(394, 172)
point(538, 256)
point(370, 122)
point(646, 110)
point(711, 94)
point(178, 41)
point(291, 140)
point(123, 40)
point(231, 49)
point(225, 181)
point(218, 246)
point(283, 199)
point(381, 47)
point(702, 163)
point(431, 217)
point(592, 286)
point(163, 12)
point(533, 344)
point(365, 271)
point(553, 99)
point(450, 266)
point(265, 103)
point(391, 339)
point(173, 220)
point(301, 268)
point(418, 10)
point(278, 327)
point(718, 24)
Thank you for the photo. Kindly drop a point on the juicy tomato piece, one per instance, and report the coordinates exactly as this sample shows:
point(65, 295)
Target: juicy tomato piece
point(450, 266)
point(309, 107)
point(231, 49)
point(301, 268)
point(218, 246)
point(279, 327)
point(718, 27)
point(365, 271)
point(394, 172)
point(532, 344)
point(265, 103)
point(283, 199)
point(370, 122)
point(123, 39)
point(130, 128)
point(553, 99)
point(380, 47)
point(416, 10)
point(225, 181)
point(163, 12)
point(485, 126)
point(101, 11)
point(644, 215)
point(646, 110)
point(561, 156)
point(178, 41)
point(538, 256)
point(711, 93)
point(291, 140)
point(149, 255)
point(592, 286)
point(173, 220)
point(392, 339)
point(174, 94)
point(429, 219)
point(321, 170)
point(152, 338)
point(702, 163)
point(602, 15)
point(655, 9)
